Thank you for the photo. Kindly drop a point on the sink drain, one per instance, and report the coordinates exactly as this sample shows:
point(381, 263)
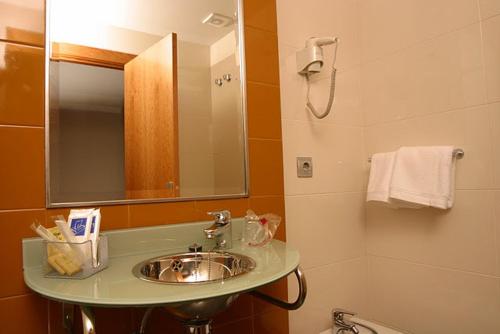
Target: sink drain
point(176, 265)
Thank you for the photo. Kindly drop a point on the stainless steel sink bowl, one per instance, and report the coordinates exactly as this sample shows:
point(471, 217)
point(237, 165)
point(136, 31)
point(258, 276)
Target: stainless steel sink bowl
point(194, 268)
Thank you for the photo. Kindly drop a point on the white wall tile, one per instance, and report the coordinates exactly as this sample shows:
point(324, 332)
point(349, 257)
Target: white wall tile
point(497, 229)
point(326, 228)
point(337, 152)
point(495, 139)
point(489, 8)
point(462, 238)
point(429, 300)
point(442, 74)
point(391, 25)
point(346, 109)
point(339, 285)
point(468, 129)
point(299, 20)
point(491, 39)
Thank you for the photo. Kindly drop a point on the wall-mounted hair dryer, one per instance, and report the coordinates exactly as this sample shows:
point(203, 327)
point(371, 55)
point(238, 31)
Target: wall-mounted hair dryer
point(310, 61)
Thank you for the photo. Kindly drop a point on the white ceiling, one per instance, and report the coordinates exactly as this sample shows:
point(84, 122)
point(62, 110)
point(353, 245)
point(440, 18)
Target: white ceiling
point(90, 19)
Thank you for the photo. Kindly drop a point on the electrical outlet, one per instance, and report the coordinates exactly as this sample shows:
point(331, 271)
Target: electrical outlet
point(304, 167)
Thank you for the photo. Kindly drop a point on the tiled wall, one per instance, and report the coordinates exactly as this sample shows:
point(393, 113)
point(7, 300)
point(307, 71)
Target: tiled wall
point(325, 214)
point(430, 75)
point(22, 198)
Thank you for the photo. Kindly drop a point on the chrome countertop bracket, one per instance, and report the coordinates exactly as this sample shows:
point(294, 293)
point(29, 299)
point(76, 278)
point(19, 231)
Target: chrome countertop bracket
point(68, 311)
point(301, 278)
point(88, 320)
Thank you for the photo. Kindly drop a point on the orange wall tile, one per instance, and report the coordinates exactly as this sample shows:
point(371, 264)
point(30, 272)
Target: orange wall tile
point(266, 167)
point(263, 105)
point(238, 207)
point(271, 204)
point(22, 178)
point(244, 326)
point(25, 314)
point(275, 322)
point(161, 213)
point(261, 14)
point(15, 225)
point(22, 169)
point(21, 84)
point(112, 217)
point(262, 62)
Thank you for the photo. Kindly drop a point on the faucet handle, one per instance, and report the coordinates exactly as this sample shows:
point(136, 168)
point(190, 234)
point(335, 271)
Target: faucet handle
point(338, 313)
point(221, 217)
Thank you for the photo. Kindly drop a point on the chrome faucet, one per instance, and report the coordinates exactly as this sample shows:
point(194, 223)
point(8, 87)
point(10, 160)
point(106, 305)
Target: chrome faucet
point(341, 323)
point(221, 229)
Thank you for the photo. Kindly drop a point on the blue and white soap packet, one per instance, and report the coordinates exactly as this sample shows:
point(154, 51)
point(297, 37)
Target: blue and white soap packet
point(85, 224)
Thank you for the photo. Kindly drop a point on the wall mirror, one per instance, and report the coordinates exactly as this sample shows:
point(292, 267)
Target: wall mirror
point(145, 101)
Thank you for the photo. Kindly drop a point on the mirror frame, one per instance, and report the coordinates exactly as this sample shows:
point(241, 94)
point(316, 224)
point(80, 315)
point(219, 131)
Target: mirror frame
point(243, 86)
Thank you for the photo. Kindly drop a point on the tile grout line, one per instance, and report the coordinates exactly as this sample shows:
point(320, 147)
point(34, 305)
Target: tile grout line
point(472, 106)
point(21, 126)
point(419, 43)
point(32, 45)
point(436, 267)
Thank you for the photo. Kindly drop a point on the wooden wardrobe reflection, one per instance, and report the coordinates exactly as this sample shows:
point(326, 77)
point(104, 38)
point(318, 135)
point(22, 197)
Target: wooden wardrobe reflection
point(151, 122)
point(150, 113)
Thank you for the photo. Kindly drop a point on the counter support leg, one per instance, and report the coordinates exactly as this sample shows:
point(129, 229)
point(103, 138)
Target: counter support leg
point(145, 319)
point(88, 320)
point(68, 316)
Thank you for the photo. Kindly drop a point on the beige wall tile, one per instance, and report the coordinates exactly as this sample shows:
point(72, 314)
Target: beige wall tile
point(326, 228)
point(461, 238)
point(497, 229)
point(340, 285)
point(491, 40)
point(489, 8)
point(423, 299)
point(346, 109)
point(337, 152)
point(299, 20)
point(432, 77)
point(22, 21)
point(495, 133)
point(468, 129)
point(390, 25)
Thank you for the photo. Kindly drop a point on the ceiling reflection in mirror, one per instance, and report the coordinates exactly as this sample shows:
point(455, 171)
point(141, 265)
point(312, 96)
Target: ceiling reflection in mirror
point(145, 101)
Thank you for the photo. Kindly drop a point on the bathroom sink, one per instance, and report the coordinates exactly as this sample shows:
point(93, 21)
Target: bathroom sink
point(194, 268)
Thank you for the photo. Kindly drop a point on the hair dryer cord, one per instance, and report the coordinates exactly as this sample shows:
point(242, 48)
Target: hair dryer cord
point(330, 99)
point(332, 89)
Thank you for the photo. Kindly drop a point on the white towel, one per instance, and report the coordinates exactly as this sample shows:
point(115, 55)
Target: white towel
point(424, 176)
point(382, 165)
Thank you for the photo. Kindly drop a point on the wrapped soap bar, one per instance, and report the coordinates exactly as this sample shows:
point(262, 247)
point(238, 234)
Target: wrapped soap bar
point(259, 230)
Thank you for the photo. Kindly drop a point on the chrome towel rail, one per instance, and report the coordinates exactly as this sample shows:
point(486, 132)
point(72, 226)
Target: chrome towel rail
point(458, 153)
point(285, 305)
